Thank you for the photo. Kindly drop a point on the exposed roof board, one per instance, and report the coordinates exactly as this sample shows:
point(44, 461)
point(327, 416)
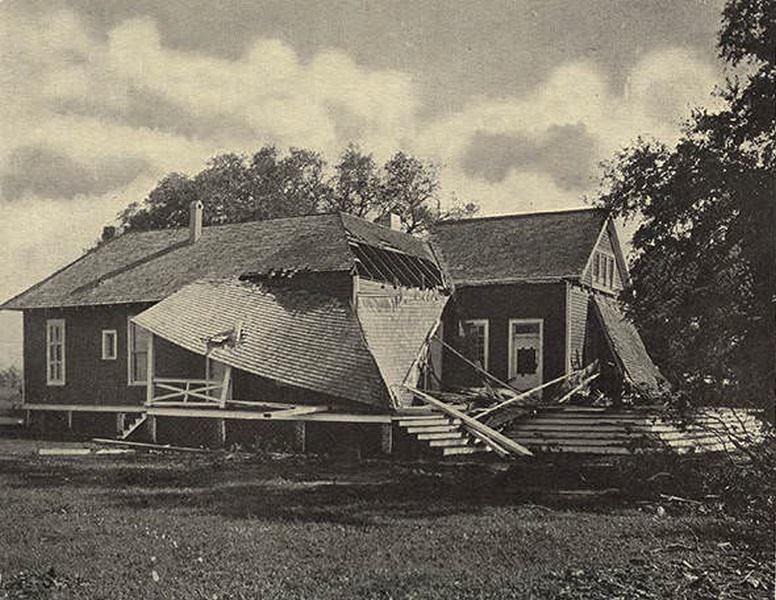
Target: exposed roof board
point(627, 345)
point(530, 247)
point(148, 266)
point(293, 336)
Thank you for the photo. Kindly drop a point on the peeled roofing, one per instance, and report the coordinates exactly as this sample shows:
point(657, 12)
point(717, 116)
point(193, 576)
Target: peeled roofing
point(627, 344)
point(148, 266)
point(537, 246)
point(296, 337)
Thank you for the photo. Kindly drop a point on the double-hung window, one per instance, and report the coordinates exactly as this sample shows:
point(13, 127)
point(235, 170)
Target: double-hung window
point(55, 352)
point(137, 347)
point(474, 334)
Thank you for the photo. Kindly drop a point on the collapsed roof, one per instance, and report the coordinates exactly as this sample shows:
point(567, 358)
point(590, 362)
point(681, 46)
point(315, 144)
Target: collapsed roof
point(627, 346)
point(514, 248)
point(150, 265)
point(302, 338)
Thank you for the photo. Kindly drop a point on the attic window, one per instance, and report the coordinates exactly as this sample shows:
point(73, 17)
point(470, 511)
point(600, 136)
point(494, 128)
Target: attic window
point(603, 270)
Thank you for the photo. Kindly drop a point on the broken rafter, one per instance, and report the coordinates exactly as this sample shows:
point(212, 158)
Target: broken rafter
point(411, 265)
point(474, 365)
point(491, 436)
point(582, 385)
point(397, 272)
point(372, 267)
point(523, 396)
point(433, 273)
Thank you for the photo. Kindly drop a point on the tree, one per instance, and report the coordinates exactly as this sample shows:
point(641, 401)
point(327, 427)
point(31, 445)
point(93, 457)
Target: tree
point(410, 189)
point(233, 189)
point(356, 183)
point(703, 260)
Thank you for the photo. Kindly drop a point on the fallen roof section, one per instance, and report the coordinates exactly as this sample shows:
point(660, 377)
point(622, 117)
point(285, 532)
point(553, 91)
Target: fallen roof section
point(293, 336)
point(513, 248)
point(626, 345)
point(396, 326)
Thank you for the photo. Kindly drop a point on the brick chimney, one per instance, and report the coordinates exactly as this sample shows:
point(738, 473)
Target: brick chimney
point(195, 221)
point(389, 220)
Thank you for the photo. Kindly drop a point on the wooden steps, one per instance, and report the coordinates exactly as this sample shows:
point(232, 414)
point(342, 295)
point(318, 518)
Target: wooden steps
point(443, 435)
point(133, 426)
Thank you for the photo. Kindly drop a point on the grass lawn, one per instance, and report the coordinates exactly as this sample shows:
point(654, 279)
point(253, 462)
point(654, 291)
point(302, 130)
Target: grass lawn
point(210, 526)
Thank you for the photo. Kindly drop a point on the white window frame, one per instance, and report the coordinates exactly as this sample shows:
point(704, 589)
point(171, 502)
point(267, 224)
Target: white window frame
point(510, 362)
point(51, 323)
point(109, 351)
point(486, 336)
point(130, 343)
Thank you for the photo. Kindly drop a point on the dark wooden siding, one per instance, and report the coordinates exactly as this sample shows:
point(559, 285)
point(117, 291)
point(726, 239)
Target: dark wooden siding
point(499, 304)
point(88, 378)
point(578, 303)
point(174, 362)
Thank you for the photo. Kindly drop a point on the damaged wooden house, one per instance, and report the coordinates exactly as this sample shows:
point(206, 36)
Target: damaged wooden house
point(327, 332)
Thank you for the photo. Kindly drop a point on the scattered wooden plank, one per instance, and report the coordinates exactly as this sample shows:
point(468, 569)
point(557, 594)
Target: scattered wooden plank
point(64, 451)
point(133, 408)
point(473, 424)
point(521, 396)
point(147, 445)
point(297, 411)
point(585, 382)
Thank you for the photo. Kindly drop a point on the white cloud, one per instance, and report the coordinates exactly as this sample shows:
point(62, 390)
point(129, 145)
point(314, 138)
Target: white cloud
point(87, 97)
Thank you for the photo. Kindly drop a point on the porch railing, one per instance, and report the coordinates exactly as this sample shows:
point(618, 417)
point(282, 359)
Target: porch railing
point(187, 392)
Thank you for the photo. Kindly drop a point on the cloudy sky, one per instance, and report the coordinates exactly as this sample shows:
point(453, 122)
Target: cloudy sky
point(517, 101)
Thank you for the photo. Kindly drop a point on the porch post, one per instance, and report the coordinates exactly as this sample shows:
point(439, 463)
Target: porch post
point(386, 438)
point(222, 432)
point(225, 385)
point(152, 427)
point(150, 369)
point(299, 436)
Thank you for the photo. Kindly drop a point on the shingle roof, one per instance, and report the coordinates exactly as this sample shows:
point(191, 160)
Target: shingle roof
point(148, 266)
point(293, 336)
point(383, 237)
point(627, 345)
point(537, 246)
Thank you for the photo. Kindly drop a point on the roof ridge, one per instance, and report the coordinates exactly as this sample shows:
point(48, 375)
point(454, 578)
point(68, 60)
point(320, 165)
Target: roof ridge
point(521, 215)
point(217, 225)
point(345, 235)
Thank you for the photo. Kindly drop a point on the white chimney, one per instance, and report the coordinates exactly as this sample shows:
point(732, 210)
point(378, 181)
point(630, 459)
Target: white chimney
point(195, 221)
point(389, 220)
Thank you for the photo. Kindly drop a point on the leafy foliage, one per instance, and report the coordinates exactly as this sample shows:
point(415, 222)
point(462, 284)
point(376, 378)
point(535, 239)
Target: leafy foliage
point(11, 378)
point(234, 188)
point(704, 250)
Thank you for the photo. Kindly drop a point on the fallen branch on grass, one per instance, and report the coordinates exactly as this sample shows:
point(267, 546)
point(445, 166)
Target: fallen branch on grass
point(149, 446)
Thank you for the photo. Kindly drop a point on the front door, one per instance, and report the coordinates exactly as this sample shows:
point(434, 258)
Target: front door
point(525, 353)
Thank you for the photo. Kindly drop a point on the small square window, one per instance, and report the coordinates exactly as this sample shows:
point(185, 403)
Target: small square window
point(109, 344)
